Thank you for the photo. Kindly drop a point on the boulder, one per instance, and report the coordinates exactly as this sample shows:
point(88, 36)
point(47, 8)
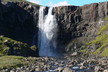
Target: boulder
point(97, 68)
point(59, 69)
point(74, 54)
point(67, 70)
point(106, 70)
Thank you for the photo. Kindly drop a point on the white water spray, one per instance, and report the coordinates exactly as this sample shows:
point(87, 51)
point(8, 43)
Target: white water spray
point(47, 33)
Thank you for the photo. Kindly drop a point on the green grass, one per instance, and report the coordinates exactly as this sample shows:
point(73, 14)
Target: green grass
point(106, 18)
point(11, 61)
point(9, 46)
point(102, 29)
point(105, 52)
point(84, 51)
point(100, 48)
point(101, 40)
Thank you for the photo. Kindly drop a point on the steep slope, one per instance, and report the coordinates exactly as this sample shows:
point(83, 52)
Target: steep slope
point(98, 46)
point(9, 46)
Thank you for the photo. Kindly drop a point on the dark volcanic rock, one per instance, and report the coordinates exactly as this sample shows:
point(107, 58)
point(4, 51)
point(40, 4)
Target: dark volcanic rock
point(94, 12)
point(18, 21)
point(75, 24)
point(78, 24)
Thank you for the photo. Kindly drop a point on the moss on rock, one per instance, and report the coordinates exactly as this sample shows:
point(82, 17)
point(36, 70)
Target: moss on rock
point(102, 29)
point(106, 18)
point(11, 47)
point(104, 52)
point(101, 40)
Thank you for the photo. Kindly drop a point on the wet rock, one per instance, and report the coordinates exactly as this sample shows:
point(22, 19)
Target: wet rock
point(12, 71)
point(70, 65)
point(106, 70)
point(74, 54)
point(46, 58)
point(67, 70)
point(97, 68)
point(59, 69)
point(18, 70)
point(38, 69)
point(83, 63)
point(82, 67)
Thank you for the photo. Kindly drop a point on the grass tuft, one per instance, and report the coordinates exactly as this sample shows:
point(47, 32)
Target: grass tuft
point(11, 61)
point(106, 18)
point(102, 29)
point(105, 52)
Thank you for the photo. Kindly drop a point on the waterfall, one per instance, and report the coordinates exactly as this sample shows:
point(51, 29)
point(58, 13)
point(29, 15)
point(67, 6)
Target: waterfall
point(47, 33)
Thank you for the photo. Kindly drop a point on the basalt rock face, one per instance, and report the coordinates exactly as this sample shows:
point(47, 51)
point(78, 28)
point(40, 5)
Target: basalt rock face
point(67, 24)
point(18, 21)
point(75, 24)
point(79, 24)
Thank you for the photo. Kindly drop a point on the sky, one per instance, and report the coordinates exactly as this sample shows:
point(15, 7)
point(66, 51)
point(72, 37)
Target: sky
point(65, 2)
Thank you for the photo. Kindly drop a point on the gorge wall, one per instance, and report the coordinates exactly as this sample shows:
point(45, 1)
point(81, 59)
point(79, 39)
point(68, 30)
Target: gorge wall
point(75, 24)
point(18, 21)
point(79, 24)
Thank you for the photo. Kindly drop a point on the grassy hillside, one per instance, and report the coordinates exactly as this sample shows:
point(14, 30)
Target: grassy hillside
point(11, 61)
point(9, 46)
point(100, 43)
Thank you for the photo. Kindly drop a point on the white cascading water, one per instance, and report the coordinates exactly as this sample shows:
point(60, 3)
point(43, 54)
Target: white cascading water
point(47, 33)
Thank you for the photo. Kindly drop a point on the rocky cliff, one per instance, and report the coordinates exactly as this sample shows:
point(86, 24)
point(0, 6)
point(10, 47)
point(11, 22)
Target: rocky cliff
point(79, 24)
point(18, 21)
point(76, 24)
